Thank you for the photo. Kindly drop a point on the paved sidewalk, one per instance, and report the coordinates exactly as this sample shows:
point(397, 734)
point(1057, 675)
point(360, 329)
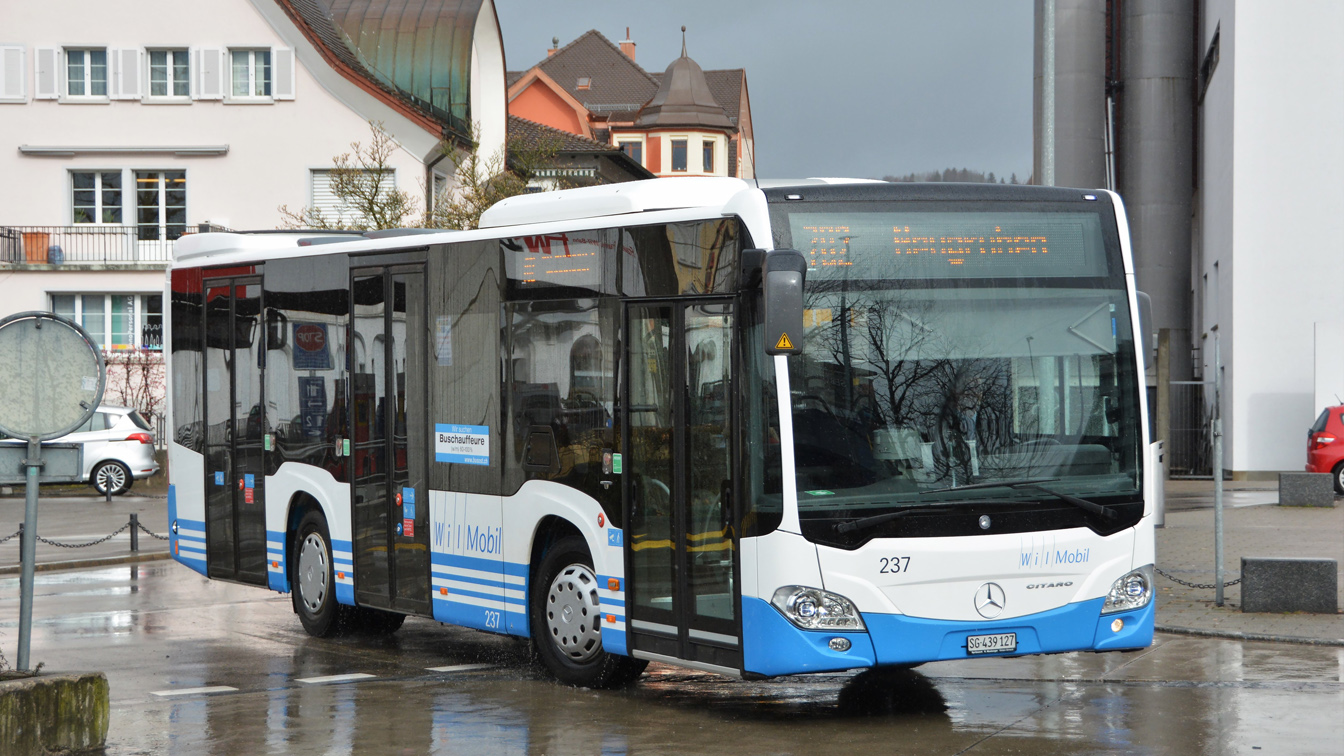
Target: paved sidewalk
point(1253, 525)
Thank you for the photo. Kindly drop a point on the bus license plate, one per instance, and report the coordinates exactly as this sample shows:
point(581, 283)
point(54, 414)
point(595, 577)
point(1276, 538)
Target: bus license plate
point(991, 644)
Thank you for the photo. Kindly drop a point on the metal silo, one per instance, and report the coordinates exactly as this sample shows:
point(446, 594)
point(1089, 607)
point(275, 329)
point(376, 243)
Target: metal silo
point(1079, 132)
point(1154, 155)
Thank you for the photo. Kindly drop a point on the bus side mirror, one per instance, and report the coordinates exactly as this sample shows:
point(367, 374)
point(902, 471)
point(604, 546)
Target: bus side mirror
point(1145, 326)
point(784, 273)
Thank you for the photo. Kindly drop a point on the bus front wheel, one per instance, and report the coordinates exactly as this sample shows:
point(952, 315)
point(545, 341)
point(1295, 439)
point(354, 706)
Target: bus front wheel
point(566, 621)
point(313, 581)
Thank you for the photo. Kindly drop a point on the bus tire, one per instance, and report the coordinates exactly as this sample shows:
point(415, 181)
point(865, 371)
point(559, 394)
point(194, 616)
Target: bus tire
point(314, 580)
point(566, 621)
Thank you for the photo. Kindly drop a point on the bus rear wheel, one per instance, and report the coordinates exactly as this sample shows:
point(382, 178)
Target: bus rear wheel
point(566, 621)
point(313, 581)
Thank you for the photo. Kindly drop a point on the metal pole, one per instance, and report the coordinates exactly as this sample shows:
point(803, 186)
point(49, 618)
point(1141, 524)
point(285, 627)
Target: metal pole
point(29, 546)
point(135, 534)
point(1217, 471)
point(1047, 177)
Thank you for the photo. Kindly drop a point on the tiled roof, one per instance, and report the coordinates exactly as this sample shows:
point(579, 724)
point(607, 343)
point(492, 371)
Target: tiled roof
point(527, 133)
point(615, 81)
point(726, 86)
point(533, 134)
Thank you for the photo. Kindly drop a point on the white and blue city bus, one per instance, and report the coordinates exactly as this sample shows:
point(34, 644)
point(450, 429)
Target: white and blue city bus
point(752, 429)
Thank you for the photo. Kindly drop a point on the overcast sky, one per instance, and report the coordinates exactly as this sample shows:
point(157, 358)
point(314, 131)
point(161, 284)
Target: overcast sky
point(861, 88)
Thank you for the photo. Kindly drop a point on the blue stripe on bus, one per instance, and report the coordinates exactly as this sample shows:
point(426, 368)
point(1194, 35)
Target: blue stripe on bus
point(476, 563)
point(613, 640)
point(480, 618)
point(478, 581)
point(488, 596)
point(345, 594)
point(611, 602)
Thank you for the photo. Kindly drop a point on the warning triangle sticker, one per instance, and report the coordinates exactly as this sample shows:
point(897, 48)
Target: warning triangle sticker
point(784, 342)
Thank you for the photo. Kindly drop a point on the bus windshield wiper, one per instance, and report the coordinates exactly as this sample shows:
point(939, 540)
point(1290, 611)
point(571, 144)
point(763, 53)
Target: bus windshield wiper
point(1034, 484)
point(863, 523)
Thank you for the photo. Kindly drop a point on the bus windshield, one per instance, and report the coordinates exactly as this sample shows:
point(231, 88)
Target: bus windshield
point(948, 347)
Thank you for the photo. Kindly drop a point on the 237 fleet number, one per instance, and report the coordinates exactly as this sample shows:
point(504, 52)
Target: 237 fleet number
point(894, 565)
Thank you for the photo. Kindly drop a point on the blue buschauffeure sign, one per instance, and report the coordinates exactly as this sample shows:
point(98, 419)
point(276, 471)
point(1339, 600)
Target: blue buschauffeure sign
point(310, 347)
point(312, 404)
point(462, 444)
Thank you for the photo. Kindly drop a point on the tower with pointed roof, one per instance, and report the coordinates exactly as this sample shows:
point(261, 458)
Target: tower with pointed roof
point(684, 121)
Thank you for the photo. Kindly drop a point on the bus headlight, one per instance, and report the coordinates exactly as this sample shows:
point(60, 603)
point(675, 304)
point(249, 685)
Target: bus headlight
point(1133, 591)
point(815, 609)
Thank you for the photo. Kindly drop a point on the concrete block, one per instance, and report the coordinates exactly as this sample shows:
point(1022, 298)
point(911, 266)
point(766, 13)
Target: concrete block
point(1289, 585)
point(1304, 489)
point(54, 713)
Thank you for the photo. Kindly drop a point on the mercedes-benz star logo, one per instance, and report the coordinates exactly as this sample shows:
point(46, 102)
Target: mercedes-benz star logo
point(990, 600)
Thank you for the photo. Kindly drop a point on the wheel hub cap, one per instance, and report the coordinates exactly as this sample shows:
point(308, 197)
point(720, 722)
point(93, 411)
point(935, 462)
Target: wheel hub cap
point(572, 615)
point(313, 571)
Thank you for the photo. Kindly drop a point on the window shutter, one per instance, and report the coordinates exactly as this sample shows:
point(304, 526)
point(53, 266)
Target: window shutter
point(12, 75)
point(282, 70)
point(47, 81)
point(324, 199)
point(209, 74)
point(125, 73)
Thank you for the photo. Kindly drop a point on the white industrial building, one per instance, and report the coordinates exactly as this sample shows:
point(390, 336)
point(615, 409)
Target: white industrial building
point(1221, 124)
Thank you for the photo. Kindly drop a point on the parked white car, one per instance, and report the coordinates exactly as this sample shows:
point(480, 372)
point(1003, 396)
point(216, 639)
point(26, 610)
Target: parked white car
point(118, 449)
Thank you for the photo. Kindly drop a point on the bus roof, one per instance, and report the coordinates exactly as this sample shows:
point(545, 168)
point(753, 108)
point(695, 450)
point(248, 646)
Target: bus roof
point(608, 200)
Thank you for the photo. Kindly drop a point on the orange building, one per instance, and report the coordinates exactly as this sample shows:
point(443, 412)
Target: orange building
point(682, 122)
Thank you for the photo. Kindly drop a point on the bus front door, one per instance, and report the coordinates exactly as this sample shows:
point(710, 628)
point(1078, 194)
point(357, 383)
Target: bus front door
point(235, 475)
point(681, 545)
point(389, 438)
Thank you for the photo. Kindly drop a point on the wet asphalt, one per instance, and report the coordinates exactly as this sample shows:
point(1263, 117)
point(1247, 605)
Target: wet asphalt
point(162, 633)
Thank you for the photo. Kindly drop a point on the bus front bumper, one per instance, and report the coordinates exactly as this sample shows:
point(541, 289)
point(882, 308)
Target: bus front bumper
point(774, 646)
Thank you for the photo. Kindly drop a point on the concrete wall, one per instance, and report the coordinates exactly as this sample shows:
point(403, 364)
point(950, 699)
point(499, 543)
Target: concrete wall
point(1271, 217)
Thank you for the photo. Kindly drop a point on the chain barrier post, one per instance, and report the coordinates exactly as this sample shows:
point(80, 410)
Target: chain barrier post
point(21, 541)
point(107, 494)
point(135, 532)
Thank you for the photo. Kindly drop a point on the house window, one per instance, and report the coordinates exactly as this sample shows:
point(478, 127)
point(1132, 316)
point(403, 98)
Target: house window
point(115, 321)
point(160, 204)
point(169, 73)
point(635, 150)
point(679, 155)
point(86, 73)
point(95, 196)
point(708, 149)
point(251, 73)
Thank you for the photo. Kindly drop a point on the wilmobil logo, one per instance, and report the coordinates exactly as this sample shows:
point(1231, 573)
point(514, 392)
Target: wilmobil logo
point(1036, 555)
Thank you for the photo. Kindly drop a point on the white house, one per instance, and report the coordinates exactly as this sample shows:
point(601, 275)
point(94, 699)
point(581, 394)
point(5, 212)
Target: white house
point(124, 127)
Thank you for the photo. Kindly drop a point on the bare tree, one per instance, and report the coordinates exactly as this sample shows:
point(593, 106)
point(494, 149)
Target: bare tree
point(364, 180)
point(135, 378)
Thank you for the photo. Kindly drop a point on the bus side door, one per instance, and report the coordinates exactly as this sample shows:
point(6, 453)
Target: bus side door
point(681, 548)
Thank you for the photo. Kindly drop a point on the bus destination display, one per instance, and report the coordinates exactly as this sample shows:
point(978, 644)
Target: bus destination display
point(860, 245)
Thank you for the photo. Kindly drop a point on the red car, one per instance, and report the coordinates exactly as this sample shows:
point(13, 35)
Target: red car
point(1325, 445)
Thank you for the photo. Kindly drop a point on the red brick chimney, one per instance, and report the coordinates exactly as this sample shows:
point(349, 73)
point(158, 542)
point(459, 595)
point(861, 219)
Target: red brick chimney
point(555, 46)
point(627, 46)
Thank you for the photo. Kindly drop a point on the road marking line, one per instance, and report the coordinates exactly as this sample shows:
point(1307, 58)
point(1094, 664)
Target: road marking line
point(461, 668)
point(334, 678)
point(194, 691)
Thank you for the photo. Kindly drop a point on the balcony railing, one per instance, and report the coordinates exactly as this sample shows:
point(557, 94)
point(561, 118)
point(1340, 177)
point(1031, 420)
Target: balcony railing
point(84, 244)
